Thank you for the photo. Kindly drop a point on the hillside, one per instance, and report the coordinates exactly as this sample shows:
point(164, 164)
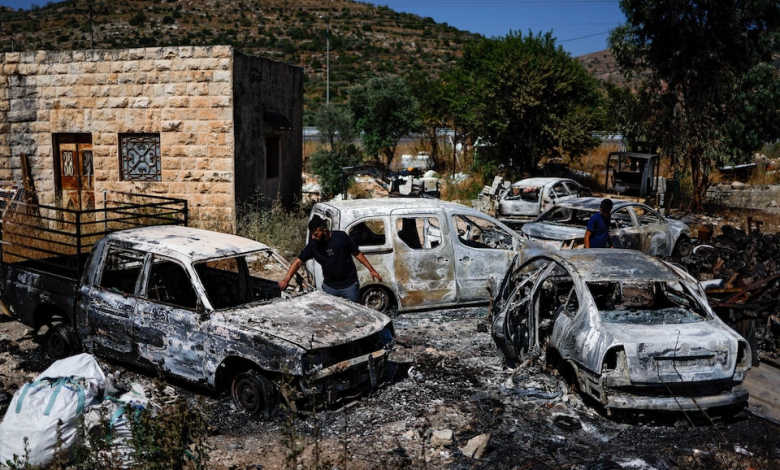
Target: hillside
point(365, 40)
point(603, 66)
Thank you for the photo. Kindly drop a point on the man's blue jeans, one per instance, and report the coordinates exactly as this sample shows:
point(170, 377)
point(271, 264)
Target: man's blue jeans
point(352, 292)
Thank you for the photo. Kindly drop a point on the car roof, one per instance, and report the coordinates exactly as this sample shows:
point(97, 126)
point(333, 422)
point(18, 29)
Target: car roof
point(388, 204)
point(186, 243)
point(540, 181)
point(594, 264)
point(593, 203)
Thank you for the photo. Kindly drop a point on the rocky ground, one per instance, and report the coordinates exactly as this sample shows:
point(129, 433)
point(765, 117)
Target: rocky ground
point(448, 403)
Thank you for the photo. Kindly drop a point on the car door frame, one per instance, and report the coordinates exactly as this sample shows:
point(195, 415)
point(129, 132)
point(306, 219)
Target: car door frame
point(470, 291)
point(107, 324)
point(163, 331)
point(381, 257)
point(649, 233)
point(440, 287)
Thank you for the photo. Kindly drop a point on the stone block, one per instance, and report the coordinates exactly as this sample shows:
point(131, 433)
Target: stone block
point(476, 446)
point(442, 438)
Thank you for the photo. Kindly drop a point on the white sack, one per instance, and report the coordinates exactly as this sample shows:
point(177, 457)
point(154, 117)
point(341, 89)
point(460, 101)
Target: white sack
point(60, 393)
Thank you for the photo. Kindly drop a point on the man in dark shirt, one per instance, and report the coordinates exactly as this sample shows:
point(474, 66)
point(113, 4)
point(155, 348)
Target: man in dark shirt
point(333, 250)
point(597, 230)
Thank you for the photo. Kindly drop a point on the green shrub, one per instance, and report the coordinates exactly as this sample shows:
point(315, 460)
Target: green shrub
point(278, 227)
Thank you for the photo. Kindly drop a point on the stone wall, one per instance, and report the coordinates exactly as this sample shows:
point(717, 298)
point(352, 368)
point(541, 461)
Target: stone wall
point(183, 93)
point(740, 195)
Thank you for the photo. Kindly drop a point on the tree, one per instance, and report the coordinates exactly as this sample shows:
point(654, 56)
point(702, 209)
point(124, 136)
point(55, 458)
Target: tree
point(338, 150)
point(385, 110)
point(704, 78)
point(433, 107)
point(526, 99)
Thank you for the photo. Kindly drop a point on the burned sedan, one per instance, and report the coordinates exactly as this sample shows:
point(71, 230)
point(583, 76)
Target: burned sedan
point(205, 307)
point(629, 330)
point(633, 226)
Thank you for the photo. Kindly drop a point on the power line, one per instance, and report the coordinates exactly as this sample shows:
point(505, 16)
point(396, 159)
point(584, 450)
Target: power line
point(584, 37)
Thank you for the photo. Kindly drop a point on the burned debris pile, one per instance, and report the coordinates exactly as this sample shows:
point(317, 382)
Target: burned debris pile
point(741, 275)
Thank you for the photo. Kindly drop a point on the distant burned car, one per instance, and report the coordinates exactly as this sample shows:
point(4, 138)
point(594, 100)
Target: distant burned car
point(524, 200)
point(629, 330)
point(633, 226)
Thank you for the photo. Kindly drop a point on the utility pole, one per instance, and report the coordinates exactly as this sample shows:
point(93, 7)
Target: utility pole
point(327, 64)
point(327, 60)
point(91, 15)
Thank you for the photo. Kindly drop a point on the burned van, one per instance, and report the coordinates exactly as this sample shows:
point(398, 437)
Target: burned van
point(430, 253)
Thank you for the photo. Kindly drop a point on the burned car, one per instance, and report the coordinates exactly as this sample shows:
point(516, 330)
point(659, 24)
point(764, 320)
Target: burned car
point(430, 253)
point(205, 307)
point(633, 226)
point(629, 330)
point(524, 200)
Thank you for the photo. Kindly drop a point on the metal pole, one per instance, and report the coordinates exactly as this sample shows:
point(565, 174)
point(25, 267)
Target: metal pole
point(327, 64)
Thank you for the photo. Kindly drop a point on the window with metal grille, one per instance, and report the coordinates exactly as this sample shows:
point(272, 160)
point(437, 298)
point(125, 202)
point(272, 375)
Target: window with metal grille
point(140, 157)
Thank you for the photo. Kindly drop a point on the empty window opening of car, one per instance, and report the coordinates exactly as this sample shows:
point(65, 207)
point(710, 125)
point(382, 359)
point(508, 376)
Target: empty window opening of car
point(369, 232)
point(646, 302)
point(478, 232)
point(526, 193)
point(234, 281)
point(419, 233)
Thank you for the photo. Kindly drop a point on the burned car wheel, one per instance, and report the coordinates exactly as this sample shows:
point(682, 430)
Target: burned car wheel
point(377, 298)
point(253, 393)
point(683, 247)
point(60, 341)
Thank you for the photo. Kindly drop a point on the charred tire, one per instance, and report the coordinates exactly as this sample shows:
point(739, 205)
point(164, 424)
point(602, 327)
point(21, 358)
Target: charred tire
point(377, 298)
point(254, 393)
point(683, 248)
point(60, 341)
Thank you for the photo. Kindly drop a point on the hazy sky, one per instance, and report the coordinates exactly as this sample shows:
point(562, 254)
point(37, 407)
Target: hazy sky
point(580, 26)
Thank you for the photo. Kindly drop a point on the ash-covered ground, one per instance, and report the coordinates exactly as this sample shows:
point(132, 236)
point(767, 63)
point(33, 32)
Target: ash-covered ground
point(447, 402)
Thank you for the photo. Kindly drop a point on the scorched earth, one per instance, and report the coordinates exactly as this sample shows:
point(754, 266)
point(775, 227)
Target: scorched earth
point(448, 402)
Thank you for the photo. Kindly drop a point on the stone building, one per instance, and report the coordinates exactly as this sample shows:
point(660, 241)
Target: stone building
point(211, 125)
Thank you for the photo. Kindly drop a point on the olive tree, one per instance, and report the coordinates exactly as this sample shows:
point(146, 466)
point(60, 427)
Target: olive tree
point(385, 111)
point(338, 149)
point(525, 98)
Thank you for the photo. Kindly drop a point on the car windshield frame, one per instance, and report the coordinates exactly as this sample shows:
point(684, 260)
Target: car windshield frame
point(646, 302)
point(576, 216)
point(240, 279)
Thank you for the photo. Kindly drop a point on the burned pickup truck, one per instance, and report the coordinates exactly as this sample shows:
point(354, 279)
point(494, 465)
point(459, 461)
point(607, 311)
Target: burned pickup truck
point(200, 306)
point(629, 330)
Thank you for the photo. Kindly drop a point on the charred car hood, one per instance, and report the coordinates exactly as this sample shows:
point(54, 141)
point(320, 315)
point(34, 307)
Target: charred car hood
point(545, 231)
point(692, 352)
point(311, 321)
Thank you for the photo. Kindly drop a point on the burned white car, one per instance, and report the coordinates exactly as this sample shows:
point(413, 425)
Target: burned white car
point(629, 330)
point(633, 226)
point(524, 200)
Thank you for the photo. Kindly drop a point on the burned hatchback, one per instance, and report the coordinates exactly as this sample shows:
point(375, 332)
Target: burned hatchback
point(629, 330)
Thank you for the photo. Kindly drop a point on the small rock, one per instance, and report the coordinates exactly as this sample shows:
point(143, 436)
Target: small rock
point(442, 438)
point(476, 446)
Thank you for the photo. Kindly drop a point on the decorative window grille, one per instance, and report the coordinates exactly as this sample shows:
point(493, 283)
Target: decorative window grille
point(140, 155)
point(87, 163)
point(67, 163)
